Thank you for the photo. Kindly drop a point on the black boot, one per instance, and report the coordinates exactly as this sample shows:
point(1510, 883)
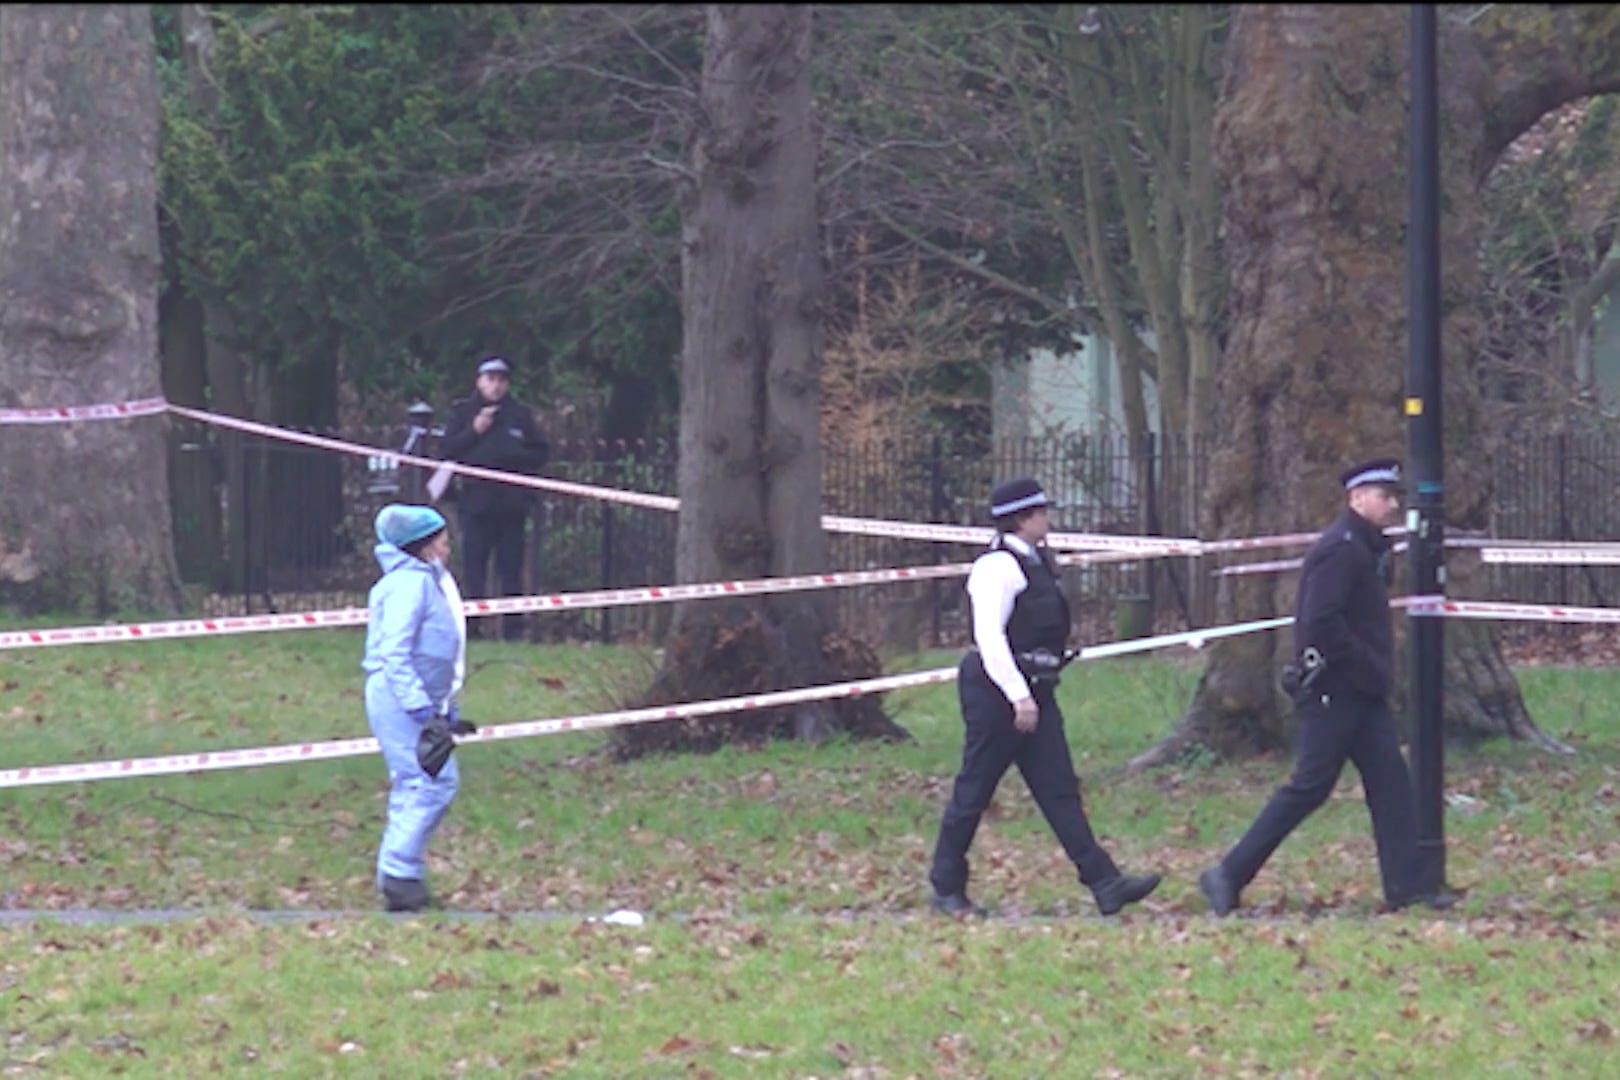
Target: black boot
point(1218, 890)
point(1439, 900)
point(958, 906)
point(404, 894)
point(1122, 889)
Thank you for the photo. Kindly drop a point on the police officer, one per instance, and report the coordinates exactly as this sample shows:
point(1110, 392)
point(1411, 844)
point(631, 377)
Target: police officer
point(1007, 687)
point(1340, 681)
point(492, 429)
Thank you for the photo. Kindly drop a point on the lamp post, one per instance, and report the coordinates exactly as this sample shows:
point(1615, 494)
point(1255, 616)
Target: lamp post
point(1425, 515)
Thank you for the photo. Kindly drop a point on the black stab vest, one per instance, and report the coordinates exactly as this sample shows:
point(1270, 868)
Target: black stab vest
point(1040, 614)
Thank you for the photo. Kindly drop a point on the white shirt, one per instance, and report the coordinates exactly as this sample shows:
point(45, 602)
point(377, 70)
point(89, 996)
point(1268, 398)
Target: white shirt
point(993, 585)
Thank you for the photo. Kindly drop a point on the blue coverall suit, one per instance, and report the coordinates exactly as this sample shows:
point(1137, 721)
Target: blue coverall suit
point(412, 642)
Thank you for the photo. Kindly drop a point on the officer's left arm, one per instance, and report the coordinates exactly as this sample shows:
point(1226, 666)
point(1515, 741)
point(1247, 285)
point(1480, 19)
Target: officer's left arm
point(1324, 617)
point(521, 445)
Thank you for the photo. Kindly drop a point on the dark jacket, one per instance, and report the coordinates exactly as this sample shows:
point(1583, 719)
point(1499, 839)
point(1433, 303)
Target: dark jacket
point(513, 443)
point(1343, 608)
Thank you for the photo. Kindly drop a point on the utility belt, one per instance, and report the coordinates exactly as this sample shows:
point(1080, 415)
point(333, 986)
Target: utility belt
point(1043, 666)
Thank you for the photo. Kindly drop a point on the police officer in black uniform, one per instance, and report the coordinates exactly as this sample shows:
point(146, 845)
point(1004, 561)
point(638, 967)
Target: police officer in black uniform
point(1007, 686)
point(1340, 681)
point(492, 429)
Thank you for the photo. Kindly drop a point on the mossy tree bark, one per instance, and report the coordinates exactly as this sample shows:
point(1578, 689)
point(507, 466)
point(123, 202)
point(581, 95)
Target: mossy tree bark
point(84, 521)
point(1310, 137)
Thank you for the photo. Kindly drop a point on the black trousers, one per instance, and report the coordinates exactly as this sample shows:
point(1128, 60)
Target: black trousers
point(1332, 730)
point(990, 746)
point(498, 533)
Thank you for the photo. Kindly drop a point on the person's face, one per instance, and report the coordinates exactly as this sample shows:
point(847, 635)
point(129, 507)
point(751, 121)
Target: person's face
point(1035, 527)
point(438, 548)
point(1378, 504)
point(492, 385)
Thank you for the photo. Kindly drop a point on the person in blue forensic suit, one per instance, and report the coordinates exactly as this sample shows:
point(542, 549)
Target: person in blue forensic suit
point(1008, 686)
point(416, 642)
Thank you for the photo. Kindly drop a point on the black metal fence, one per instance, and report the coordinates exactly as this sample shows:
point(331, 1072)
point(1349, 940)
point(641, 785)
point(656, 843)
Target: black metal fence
point(1558, 487)
point(265, 525)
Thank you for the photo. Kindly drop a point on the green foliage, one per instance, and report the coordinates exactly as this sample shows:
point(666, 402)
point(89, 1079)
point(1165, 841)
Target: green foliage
point(1553, 214)
point(391, 187)
point(301, 207)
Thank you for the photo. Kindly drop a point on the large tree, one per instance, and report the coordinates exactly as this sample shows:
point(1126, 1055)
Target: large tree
point(1311, 139)
point(84, 523)
point(750, 457)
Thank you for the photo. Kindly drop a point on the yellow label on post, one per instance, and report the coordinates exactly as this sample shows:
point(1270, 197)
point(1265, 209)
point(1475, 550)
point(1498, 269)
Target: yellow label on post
point(1414, 406)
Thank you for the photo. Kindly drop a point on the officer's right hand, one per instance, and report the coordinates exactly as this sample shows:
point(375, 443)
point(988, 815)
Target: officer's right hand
point(1025, 715)
point(485, 418)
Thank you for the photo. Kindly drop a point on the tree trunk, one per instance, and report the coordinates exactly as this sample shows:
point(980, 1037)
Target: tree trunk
point(750, 460)
point(85, 519)
point(1311, 137)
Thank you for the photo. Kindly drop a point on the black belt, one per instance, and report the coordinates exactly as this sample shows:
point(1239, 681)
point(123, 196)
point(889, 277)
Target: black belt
point(1042, 665)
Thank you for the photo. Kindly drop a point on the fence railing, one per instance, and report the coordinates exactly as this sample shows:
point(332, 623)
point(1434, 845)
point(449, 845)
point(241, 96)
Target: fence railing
point(264, 525)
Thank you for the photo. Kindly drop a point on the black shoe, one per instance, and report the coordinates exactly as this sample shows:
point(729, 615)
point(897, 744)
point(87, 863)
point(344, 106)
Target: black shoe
point(404, 894)
point(1439, 900)
point(1120, 890)
point(958, 906)
point(1218, 890)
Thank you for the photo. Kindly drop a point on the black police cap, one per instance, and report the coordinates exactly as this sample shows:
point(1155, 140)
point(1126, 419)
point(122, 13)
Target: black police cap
point(1015, 495)
point(1384, 471)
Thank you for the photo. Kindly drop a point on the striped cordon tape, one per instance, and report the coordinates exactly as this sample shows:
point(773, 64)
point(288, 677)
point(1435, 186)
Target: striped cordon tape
point(69, 413)
point(1145, 546)
point(211, 760)
point(511, 605)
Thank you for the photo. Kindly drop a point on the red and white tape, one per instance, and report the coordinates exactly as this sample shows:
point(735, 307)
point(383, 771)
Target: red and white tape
point(1148, 545)
point(1275, 566)
point(70, 413)
point(1145, 546)
point(206, 761)
point(30, 776)
point(511, 605)
point(1493, 609)
point(1593, 555)
point(179, 628)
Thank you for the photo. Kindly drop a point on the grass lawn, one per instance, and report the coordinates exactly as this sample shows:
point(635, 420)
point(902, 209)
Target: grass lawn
point(785, 891)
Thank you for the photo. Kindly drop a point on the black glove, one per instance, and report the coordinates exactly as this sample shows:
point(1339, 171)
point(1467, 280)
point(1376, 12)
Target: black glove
point(433, 746)
point(458, 726)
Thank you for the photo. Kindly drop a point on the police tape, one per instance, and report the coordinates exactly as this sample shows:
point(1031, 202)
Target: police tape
point(1146, 546)
point(1502, 610)
point(1156, 546)
point(214, 760)
point(1592, 555)
point(1272, 567)
point(511, 605)
point(70, 413)
point(1490, 549)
